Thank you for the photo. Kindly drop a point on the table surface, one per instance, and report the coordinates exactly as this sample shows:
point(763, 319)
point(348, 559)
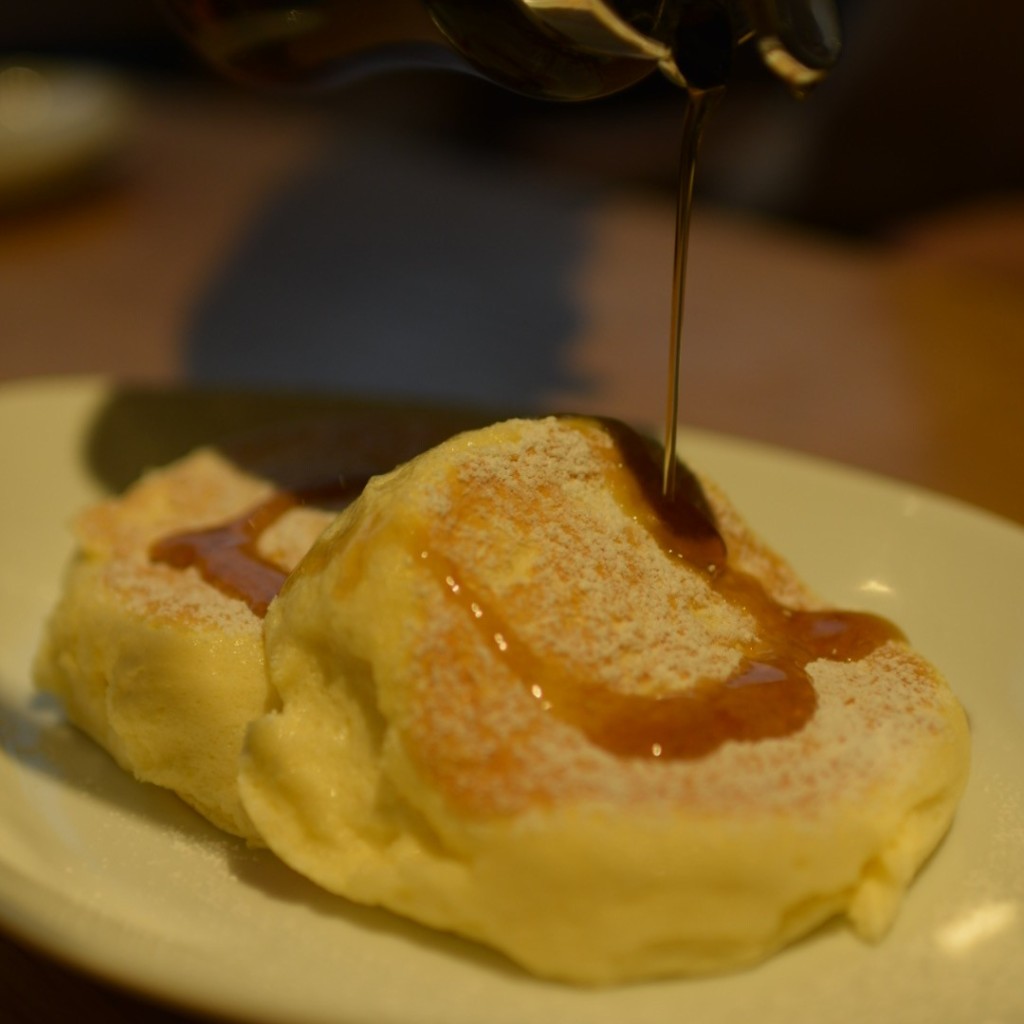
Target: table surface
point(904, 357)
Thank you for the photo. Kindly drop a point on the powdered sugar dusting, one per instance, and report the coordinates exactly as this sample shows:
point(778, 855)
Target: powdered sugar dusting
point(205, 489)
point(526, 522)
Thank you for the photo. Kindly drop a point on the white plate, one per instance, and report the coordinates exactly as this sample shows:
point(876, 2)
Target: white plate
point(121, 879)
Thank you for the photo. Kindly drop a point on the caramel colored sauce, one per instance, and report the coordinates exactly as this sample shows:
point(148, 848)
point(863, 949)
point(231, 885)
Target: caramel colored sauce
point(681, 520)
point(228, 556)
point(764, 699)
point(770, 694)
point(699, 103)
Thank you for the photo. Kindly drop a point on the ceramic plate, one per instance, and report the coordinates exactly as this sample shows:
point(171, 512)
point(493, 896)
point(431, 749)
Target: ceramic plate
point(122, 880)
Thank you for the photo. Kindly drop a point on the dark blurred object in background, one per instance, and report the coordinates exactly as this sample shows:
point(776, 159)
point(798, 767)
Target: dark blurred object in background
point(923, 112)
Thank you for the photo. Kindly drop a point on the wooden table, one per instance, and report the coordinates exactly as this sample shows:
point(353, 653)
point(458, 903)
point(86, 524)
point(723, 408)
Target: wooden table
point(905, 358)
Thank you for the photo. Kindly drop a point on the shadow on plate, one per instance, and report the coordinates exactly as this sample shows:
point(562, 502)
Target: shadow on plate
point(263, 871)
point(137, 429)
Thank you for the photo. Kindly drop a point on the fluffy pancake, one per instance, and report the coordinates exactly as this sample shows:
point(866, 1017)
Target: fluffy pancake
point(158, 665)
point(511, 705)
point(160, 668)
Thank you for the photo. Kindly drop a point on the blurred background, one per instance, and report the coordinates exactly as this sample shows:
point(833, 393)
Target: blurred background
point(856, 273)
point(919, 113)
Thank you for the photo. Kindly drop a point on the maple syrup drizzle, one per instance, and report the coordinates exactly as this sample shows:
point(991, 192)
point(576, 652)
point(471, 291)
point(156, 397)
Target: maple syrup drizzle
point(770, 695)
point(699, 104)
point(228, 556)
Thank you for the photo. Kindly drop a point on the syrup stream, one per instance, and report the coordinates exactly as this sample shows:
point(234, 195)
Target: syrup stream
point(698, 106)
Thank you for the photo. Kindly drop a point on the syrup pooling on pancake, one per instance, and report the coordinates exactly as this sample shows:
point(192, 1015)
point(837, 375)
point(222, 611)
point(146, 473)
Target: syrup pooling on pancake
point(769, 695)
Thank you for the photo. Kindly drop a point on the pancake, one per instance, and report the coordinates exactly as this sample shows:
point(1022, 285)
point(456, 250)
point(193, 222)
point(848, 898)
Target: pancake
point(161, 666)
point(516, 699)
point(157, 666)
